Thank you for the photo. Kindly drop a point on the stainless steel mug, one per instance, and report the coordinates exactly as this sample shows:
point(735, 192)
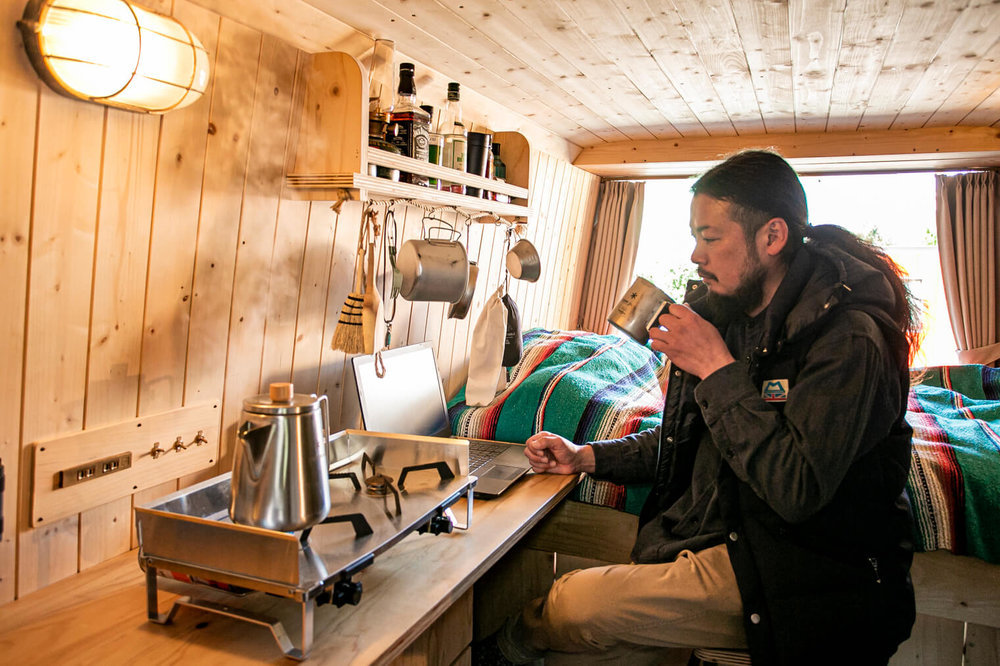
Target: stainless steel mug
point(639, 308)
point(433, 269)
point(523, 262)
point(280, 465)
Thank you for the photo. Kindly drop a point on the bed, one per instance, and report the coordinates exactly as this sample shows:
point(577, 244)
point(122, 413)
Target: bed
point(587, 387)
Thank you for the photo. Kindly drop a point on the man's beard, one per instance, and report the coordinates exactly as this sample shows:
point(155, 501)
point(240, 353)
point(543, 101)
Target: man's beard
point(748, 293)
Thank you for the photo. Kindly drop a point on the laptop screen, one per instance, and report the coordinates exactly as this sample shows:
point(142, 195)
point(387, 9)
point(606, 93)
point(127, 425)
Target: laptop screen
point(409, 398)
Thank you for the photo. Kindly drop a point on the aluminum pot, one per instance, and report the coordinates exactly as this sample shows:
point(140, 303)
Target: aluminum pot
point(433, 269)
point(639, 308)
point(523, 262)
point(460, 308)
point(280, 467)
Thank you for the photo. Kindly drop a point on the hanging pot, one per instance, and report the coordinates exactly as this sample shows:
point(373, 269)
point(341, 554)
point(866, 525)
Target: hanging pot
point(433, 269)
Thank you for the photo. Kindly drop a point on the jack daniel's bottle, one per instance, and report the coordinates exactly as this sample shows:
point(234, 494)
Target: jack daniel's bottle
point(412, 123)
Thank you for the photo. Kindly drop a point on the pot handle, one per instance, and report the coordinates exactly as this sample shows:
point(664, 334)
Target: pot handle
point(425, 232)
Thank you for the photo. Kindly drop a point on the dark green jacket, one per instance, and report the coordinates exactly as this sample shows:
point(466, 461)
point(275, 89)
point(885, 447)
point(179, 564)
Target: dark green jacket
point(812, 489)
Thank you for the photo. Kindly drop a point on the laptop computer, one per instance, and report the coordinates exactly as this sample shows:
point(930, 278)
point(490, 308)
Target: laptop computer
point(409, 399)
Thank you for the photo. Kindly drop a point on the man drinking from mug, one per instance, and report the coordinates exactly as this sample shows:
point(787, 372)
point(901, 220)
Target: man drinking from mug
point(777, 520)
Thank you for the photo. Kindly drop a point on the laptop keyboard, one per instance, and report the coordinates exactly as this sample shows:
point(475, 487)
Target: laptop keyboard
point(481, 453)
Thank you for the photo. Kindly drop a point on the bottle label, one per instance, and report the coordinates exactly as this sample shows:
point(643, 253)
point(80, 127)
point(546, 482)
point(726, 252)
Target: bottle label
point(458, 154)
point(413, 139)
point(421, 140)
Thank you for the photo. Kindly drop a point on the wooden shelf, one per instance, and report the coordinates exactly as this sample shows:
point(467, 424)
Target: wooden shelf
point(372, 186)
point(331, 159)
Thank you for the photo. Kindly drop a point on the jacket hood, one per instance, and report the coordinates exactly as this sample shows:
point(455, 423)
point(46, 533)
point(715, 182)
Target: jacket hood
point(821, 277)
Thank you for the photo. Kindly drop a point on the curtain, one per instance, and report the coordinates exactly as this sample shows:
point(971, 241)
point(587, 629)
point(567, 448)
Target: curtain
point(611, 258)
point(968, 222)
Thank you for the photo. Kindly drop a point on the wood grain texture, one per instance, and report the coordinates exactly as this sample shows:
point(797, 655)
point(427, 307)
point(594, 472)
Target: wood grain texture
point(61, 264)
point(982, 645)
point(933, 640)
point(957, 587)
point(122, 251)
point(808, 152)
point(100, 615)
point(256, 236)
point(18, 111)
point(605, 72)
point(180, 171)
point(223, 187)
point(166, 262)
point(52, 501)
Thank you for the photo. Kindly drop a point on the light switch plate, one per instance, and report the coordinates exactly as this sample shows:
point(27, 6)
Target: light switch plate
point(159, 447)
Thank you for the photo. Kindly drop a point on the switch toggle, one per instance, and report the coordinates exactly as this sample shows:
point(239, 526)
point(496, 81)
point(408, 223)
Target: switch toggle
point(94, 470)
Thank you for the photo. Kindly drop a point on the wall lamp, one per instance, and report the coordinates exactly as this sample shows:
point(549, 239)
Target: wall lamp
point(113, 52)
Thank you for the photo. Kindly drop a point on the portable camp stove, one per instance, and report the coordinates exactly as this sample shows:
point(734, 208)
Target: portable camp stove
point(382, 488)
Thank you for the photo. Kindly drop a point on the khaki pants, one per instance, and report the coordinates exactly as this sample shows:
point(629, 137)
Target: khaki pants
point(630, 613)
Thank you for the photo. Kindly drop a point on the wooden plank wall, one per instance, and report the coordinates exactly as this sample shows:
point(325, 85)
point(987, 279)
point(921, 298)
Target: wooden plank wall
point(150, 262)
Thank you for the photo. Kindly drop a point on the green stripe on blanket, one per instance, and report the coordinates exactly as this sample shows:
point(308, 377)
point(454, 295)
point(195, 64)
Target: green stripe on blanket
point(954, 481)
point(588, 387)
point(579, 385)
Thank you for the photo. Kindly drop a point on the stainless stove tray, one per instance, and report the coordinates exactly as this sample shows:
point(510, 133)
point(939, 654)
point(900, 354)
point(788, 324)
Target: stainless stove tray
point(191, 528)
point(189, 532)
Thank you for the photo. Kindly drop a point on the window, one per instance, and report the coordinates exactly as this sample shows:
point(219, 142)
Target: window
point(895, 211)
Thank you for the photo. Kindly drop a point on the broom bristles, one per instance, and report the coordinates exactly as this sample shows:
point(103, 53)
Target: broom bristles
point(348, 336)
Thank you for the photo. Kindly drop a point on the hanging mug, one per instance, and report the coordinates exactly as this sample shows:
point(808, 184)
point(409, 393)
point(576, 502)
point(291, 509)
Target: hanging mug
point(433, 269)
point(523, 262)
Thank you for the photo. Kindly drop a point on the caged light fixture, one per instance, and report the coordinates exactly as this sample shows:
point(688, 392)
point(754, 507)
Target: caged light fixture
point(113, 52)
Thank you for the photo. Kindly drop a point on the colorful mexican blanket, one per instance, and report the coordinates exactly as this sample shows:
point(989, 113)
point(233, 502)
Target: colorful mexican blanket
point(954, 481)
point(587, 387)
point(580, 385)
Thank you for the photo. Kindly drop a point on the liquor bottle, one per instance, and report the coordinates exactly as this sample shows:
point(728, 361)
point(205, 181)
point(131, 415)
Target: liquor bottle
point(499, 174)
point(435, 146)
point(380, 94)
point(454, 137)
point(412, 123)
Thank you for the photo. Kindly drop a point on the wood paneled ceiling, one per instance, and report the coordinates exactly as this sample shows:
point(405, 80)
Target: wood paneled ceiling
point(605, 71)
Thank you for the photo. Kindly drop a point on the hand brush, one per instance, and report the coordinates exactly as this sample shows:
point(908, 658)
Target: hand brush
point(349, 335)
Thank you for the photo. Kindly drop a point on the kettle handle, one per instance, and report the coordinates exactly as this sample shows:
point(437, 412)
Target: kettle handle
point(326, 426)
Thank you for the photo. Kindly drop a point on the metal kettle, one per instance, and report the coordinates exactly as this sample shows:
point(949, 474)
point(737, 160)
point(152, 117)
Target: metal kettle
point(280, 468)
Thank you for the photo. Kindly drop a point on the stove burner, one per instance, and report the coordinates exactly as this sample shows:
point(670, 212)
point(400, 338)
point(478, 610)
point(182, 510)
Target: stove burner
point(379, 484)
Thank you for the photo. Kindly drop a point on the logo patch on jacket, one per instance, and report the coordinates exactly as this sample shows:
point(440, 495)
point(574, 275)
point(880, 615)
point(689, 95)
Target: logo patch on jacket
point(774, 390)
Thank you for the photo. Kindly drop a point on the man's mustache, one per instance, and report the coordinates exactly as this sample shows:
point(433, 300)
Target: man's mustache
point(706, 275)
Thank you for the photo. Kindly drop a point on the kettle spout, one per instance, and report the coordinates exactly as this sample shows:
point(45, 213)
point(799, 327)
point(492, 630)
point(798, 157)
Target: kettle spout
point(254, 444)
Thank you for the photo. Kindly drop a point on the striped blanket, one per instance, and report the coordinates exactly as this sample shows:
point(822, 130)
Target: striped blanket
point(580, 385)
point(954, 481)
point(587, 387)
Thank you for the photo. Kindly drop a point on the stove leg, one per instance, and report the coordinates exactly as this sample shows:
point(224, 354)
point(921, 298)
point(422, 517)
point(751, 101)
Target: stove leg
point(307, 627)
point(276, 627)
point(152, 606)
point(152, 601)
point(468, 512)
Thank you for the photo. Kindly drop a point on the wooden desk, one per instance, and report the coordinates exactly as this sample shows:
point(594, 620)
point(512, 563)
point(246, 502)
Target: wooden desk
point(99, 616)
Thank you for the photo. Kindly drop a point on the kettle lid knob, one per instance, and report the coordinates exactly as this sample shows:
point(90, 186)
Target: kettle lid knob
point(281, 391)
